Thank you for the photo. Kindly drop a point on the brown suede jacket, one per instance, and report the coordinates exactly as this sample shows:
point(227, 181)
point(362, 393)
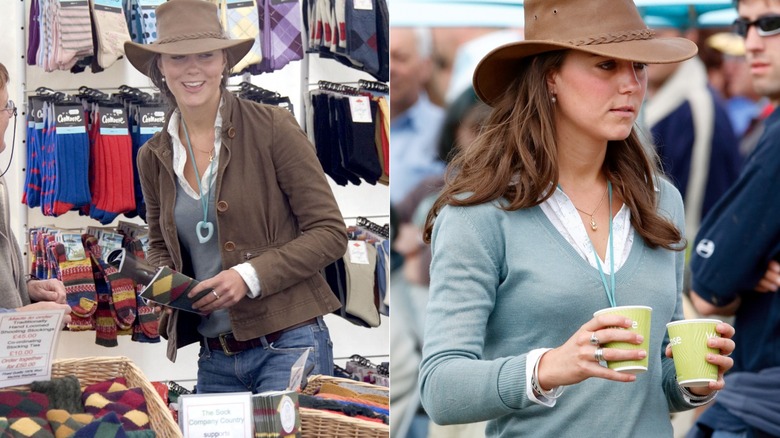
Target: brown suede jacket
point(275, 210)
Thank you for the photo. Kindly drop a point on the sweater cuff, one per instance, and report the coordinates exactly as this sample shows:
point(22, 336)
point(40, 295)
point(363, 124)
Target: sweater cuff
point(249, 275)
point(512, 382)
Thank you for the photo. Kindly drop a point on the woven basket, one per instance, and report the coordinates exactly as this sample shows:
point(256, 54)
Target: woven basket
point(322, 424)
point(91, 370)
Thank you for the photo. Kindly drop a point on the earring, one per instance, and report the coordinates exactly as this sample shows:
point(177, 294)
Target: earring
point(554, 99)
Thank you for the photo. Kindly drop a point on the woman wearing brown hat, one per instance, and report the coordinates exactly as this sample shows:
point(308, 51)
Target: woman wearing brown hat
point(555, 212)
point(237, 199)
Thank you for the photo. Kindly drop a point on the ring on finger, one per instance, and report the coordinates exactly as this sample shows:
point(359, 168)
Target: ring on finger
point(594, 340)
point(215, 294)
point(599, 355)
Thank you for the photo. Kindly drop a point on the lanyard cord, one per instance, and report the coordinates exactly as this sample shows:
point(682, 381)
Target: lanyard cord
point(204, 201)
point(609, 291)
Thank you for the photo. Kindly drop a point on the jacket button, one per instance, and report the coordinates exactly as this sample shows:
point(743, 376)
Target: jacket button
point(231, 132)
point(230, 246)
point(222, 206)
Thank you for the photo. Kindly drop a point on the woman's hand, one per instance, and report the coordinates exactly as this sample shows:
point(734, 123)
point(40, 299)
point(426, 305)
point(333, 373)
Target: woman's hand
point(48, 305)
point(771, 280)
point(726, 346)
point(576, 361)
point(46, 290)
point(228, 288)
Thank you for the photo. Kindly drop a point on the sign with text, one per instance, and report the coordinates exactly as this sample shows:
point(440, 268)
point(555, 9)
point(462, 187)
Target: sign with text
point(227, 415)
point(27, 341)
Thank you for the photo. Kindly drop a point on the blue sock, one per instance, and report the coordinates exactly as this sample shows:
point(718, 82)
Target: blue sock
point(72, 166)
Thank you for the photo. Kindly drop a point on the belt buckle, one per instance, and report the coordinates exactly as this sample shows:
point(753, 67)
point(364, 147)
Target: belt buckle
point(224, 344)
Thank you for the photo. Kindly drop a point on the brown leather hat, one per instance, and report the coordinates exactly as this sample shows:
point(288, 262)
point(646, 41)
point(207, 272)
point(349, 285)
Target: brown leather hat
point(186, 27)
point(611, 28)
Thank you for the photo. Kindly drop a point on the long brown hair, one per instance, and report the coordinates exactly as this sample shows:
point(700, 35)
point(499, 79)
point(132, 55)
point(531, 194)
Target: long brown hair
point(515, 158)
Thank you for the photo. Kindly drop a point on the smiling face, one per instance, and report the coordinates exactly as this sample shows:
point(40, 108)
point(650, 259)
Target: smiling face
point(762, 53)
point(598, 98)
point(194, 80)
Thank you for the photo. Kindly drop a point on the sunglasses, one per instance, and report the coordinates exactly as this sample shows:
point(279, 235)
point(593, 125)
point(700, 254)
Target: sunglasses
point(766, 26)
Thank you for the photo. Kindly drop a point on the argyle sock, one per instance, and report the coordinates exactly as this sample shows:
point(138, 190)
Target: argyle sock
point(72, 167)
point(285, 32)
point(107, 426)
point(241, 21)
point(65, 424)
point(362, 36)
point(109, 385)
point(111, 32)
point(30, 427)
point(129, 404)
point(79, 283)
point(146, 328)
point(19, 404)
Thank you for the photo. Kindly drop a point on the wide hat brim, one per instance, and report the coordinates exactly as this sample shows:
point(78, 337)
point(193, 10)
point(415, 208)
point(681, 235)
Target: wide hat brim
point(142, 55)
point(496, 71)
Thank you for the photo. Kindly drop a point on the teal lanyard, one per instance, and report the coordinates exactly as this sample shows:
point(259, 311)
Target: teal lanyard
point(609, 289)
point(204, 200)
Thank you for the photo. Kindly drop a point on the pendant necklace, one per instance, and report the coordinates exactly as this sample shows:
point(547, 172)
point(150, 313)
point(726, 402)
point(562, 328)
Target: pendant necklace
point(609, 289)
point(204, 201)
point(593, 225)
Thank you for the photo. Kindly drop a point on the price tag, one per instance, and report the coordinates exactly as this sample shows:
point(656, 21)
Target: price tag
point(27, 341)
point(358, 254)
point(360, 107)
point(227, 415)
point(365, 5)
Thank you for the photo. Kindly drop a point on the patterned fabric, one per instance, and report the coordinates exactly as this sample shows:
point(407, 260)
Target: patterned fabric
point(129, 404)
point(361, 36)
point(79, 283)
point(171, 288)
point(240, 18)
point(109, 385)
point(108, 426)
point(18, 404)
point(62, 392)
point(66, 424)
point(111, 32)
point(30, 427)
point(282, 43)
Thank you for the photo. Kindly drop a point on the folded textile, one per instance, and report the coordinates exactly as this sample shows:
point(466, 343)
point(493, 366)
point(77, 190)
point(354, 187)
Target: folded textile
point(62, 392)
point(18, 404)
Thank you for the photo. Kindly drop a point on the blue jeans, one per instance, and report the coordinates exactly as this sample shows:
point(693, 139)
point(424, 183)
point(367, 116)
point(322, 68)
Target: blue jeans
point(267, 367)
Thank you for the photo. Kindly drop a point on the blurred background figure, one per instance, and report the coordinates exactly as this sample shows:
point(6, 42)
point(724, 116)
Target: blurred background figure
point(414, 120)
point(690, 128)
point(746, 108)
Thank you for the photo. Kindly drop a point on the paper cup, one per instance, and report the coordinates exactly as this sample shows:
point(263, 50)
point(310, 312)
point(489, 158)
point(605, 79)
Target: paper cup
point(688, 339)
point(641, 315)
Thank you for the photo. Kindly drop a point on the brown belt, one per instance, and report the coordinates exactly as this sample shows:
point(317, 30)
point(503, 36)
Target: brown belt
point(230, 345)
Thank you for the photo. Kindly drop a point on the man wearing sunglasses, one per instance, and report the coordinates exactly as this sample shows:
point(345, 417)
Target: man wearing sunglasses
point(735, 262)
point(16, 290)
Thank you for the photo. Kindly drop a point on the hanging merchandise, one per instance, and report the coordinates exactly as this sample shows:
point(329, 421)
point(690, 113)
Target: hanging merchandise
point(280, 24)
point(64, 33)
point(344, 128)
point(240, 20)
point(353, 32)
point(141, 19)
point(254, 93)
point(355, 279)
point(58, 155)
point(109, 31)
point(100, 298)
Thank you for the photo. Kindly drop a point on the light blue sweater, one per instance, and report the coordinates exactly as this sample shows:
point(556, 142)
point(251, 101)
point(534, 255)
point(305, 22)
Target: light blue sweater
point(504, 283)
